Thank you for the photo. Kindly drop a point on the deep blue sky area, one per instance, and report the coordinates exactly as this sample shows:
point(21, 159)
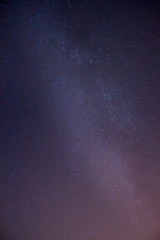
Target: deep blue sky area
point(80, 120)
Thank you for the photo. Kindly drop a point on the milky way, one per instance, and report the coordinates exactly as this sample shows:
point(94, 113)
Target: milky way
point(80, 120)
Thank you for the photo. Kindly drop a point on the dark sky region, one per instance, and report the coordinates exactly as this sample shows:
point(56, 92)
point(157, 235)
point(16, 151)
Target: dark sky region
point(80, 120)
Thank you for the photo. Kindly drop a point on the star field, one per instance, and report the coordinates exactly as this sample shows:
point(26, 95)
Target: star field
point(80, 114)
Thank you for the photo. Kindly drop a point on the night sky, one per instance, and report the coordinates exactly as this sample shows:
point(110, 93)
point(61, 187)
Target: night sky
point(80, 120)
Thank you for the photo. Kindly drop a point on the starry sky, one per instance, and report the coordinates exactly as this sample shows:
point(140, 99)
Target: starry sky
point(80, 120)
